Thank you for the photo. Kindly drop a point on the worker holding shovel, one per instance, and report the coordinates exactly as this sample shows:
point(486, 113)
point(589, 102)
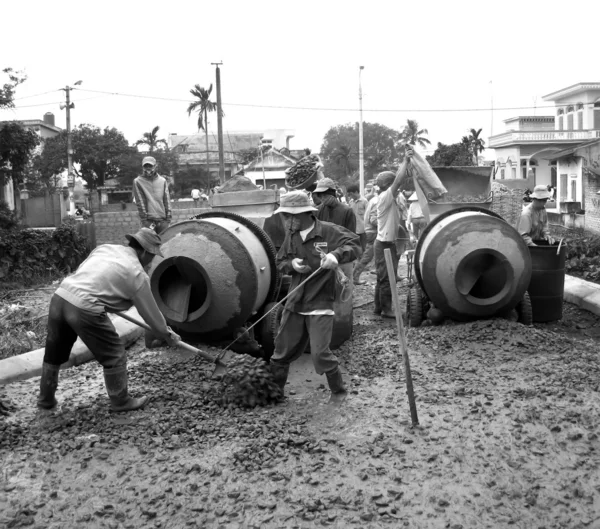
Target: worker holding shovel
point(311, 248)
point(111, 279)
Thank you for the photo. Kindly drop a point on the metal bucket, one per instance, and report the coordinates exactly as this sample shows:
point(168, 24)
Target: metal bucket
point(547, 285)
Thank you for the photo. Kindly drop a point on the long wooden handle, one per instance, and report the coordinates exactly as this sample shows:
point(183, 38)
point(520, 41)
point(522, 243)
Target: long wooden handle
point(181, 344)
point(401, 337)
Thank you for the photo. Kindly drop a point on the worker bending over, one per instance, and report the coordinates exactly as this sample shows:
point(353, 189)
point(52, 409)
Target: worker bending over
point(308, 313)
point(533, 224)
point(111, 279)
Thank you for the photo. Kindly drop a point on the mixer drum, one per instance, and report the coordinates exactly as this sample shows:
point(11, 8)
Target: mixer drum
point(472, 264)
point(217, 272)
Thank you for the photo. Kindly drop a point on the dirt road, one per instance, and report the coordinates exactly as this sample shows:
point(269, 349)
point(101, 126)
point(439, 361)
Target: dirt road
point(508, 437)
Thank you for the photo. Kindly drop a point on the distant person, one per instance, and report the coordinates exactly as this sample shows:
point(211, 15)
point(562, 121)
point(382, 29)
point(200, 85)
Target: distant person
point(388, 224)
point(330, 208)
point(370, 224)
point(415, 219)
point(359, 206)
point(196, 196)
point(533, 224)
point(151, 195)
point(111, 279)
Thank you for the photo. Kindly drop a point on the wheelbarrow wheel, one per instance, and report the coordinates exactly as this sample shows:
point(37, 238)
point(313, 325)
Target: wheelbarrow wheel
point(524, 311)
point(414, 307)
point(269, 328)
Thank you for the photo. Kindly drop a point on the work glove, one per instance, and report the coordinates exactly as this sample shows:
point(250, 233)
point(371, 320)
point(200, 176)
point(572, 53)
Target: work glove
point(172, 338)
point(299, 266)
point(329, 262)
point(551, 240)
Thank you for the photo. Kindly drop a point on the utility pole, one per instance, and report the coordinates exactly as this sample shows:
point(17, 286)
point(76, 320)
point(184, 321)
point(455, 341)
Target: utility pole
point(220, 124)
point(361, 161)
point(70, 175)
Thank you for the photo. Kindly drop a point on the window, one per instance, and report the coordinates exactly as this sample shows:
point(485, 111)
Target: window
point(597, 115)
point(570, 121)
point(580, 120)
point(560, 123)
point(502, 174)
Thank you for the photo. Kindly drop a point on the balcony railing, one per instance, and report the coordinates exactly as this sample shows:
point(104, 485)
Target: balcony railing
point(542, 136)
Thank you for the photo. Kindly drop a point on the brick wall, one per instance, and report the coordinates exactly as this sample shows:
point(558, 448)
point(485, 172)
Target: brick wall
point(111, 227)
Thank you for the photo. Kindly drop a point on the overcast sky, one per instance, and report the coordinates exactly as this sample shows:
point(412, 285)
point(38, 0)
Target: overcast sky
point(421, 59)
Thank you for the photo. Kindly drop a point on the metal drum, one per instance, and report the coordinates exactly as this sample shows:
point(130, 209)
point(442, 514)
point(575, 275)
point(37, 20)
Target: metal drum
point(547, 285)
point(472, 264)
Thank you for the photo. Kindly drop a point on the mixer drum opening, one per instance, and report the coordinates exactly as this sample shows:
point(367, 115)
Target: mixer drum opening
point(183, 287)
point(484, 276)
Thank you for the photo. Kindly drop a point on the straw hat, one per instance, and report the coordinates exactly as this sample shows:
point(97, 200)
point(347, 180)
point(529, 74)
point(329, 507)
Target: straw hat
point(413, 197)
point(540, 192)
point(294, 202)
point(148, 239)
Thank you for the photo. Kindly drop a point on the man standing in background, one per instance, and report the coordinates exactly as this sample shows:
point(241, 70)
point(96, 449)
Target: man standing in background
point(359, 206)
point(151, 195)
point(370, 225)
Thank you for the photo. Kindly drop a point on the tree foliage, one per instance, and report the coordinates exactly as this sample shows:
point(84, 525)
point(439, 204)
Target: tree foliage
point(412, 135)
point(339, 150)
point(98, 153)
point(455, 154)
point(151, 140)
point(476, 144)
point(7, 90)
point(17, 144)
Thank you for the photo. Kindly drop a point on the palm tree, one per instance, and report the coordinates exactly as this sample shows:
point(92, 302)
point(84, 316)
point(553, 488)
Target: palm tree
point(477, 144)
point(411, 134)
point(151, 140)
point(203, 105)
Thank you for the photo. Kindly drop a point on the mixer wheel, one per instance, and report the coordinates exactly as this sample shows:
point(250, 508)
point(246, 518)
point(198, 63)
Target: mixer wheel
point(269, 327)
point(414, 307)
point(524, 310)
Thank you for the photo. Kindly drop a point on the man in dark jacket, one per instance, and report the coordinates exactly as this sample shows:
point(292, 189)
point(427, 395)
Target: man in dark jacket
point(330, 208)
point(308, 313)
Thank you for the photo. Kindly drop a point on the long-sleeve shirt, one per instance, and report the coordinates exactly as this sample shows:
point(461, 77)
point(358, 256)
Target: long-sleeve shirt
point(112, 279)
point(152, 197)
point(339, 214)
point(371, 215)
point(359, 207)
point(319, 292)
point(414, 212)
point(533, 224)
point(388, 217)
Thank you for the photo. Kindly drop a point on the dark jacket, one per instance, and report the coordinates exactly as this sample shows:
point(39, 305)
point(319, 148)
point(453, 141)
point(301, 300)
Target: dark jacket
point(319, 293)
point(339, 214)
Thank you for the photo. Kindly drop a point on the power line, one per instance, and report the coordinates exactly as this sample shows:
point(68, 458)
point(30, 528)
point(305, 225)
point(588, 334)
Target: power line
point(35, 95)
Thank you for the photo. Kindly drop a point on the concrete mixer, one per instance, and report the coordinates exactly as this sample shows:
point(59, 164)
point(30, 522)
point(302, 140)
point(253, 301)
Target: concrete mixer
point(219, 275)
point(469, 263)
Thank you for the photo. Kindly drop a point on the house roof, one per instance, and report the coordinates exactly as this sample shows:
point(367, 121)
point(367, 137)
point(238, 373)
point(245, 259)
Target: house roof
point(27, 123)
point(571, 150)
point(272, 160)
point(195, 146)
point(530, 118)
point(571, 90)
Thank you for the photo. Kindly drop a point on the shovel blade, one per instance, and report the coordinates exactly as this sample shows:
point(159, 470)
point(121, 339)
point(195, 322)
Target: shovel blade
point(221, 366)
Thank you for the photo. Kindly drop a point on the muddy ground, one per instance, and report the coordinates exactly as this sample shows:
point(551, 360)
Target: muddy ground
point(508, 437)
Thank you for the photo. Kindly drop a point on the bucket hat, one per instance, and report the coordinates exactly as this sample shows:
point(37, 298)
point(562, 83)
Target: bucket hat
point(294, 202)
point(324, 184)
point(148, 239)
point(149, 159)
point(540, 192)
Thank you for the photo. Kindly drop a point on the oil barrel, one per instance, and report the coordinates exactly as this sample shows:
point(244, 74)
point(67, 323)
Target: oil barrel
point(547, 285)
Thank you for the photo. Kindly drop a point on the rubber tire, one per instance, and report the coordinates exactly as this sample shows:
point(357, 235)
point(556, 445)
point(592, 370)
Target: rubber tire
point(414, 307)
point(269, 328)
point(524, 310)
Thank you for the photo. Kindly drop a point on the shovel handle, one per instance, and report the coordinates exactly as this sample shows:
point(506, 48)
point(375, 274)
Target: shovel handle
point(181, 344)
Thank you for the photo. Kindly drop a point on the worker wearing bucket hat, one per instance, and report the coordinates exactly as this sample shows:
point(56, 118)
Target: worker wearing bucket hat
point(151, 194)
point(310, 245)
point(111, 279)
point(533, 224)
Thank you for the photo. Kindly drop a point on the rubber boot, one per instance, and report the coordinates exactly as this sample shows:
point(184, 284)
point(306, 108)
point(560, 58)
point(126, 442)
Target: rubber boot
point(377, 304)
point(335, 381)
point(115, 379)
point(280, 375)
point(48, 385)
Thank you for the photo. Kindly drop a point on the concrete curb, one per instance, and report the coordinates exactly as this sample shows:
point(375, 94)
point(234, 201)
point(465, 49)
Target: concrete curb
point(582, 293)
point(28, 365)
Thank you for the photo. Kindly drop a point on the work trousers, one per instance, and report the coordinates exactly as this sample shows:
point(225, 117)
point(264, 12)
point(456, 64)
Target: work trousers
point(367, 255)
point(418, 227)
point(296, 332)
point(383, 289)
point(66, 322)
point(363, 240)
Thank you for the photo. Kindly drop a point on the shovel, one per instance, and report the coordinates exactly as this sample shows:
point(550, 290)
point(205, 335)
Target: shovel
point(220, 366)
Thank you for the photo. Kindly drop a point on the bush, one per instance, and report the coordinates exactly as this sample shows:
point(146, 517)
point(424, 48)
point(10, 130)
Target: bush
point(8, 218)
point(32, 256)
point(583, 255)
